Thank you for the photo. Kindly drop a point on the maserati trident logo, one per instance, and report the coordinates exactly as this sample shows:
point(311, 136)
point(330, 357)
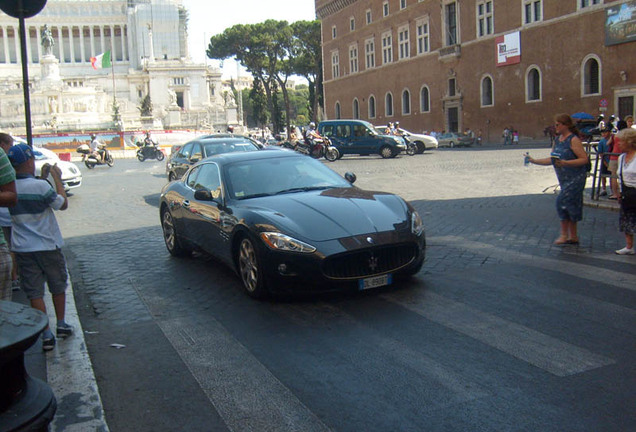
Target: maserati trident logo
point(370, 240)
point(373, 263)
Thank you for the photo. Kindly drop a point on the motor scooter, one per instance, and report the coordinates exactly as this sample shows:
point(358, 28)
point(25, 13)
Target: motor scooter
point(149, 151)
point(90, 160)
point(317, 148)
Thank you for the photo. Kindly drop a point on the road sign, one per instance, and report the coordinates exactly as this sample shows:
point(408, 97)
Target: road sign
point(603, 103)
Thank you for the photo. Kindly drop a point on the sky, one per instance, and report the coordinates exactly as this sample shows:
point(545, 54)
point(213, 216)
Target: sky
point(210, 17)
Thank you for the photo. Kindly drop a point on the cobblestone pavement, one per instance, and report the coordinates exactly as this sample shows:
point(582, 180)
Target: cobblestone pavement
point(499, 331)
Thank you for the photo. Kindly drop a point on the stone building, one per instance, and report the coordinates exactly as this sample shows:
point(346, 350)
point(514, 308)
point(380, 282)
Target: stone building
point(479, 64)
point(148, 44)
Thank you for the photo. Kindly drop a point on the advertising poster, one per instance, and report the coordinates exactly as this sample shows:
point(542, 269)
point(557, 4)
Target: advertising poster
point(620, 23)
point(508, 49)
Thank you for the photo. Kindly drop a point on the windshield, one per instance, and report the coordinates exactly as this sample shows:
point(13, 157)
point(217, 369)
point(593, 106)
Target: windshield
point(230, 146)
point(266, 177)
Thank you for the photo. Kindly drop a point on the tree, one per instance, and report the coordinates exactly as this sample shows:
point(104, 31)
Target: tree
point(145, 109)
point(307, 61)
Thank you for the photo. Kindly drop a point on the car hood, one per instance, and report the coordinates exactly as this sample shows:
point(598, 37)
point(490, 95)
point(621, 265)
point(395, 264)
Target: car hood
point(330, 214)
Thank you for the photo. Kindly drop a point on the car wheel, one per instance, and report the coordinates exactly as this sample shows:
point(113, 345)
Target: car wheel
point(386, 152)
point(249, 265)
point(170, 236)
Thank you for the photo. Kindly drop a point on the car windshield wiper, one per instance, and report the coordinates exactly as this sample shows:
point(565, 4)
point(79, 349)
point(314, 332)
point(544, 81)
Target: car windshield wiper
point(303, 189)
point(257, 195)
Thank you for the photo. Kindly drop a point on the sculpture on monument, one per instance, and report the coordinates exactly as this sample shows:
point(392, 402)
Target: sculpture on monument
point(172, 97)
point(47, 41)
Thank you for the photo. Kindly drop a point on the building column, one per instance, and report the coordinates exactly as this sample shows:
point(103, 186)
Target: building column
point(101, 38)
point(112, 43)
point(71, 44)
point(123, 43)
point(16, 39)
point(60, 41)
point(38, 35)
point(92, 29)
point(5, 42)
point(82, 50)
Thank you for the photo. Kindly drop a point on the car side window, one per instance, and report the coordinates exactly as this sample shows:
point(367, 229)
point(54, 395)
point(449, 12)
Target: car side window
point(191, 181)
point(359, 130)
point(343, 131)
point(327, 131)
point(209, 179)
point(185, 151)
point(197, 152)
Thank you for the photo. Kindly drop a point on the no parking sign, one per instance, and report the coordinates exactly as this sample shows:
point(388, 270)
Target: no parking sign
point(603, 103)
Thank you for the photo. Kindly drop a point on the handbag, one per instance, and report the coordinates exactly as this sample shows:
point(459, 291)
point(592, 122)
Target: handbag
point(628, 196)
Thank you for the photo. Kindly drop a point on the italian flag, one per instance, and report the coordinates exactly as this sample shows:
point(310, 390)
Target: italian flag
point(101, 61)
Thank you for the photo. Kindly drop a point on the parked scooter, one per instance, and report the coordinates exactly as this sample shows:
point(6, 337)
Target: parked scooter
point(90, 160)
point(149, 149)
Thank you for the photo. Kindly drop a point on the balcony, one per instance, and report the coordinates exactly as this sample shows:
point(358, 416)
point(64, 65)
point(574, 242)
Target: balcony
point(450, 52)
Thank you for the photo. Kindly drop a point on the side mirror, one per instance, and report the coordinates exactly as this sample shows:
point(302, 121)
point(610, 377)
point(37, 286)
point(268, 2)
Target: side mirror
point(203, 195)
point(350, 177)
point(195, 159)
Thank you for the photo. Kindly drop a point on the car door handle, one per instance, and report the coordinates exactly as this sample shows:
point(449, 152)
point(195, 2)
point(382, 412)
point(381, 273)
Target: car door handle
point(185, 203)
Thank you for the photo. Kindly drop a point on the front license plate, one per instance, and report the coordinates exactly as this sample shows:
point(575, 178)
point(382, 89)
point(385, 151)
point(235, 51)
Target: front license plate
point(375, 282)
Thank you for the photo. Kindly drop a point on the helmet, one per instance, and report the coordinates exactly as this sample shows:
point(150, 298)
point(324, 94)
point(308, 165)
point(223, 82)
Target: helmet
point(312, 125)
point(93, 136)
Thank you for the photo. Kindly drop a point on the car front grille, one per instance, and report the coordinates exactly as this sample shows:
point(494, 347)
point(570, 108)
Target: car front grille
point(369, 262)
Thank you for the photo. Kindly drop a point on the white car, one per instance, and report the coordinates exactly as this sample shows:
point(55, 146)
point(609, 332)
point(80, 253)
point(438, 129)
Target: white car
point(423, 142)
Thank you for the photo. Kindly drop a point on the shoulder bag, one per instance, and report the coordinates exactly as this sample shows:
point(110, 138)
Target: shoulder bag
point(628, 194)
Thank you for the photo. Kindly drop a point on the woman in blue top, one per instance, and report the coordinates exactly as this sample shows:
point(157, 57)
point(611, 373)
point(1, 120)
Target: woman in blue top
point(569, 160)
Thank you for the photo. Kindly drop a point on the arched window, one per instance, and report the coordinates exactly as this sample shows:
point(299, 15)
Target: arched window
point(533, 84)
point(371, 107)
point(486, 92)
point(425, 100)
point(388, 105)
point(591, 76)
point(337, 110)
point(406, 102)
point(356, 109)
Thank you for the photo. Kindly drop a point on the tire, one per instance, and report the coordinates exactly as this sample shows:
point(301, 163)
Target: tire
point(171, 177)
point(332, 154)
point(109, 160)
point(421, 147)
point(89, 164)
point(451, 144)
point(386, 152)
point(160, 155)
point(170, 236)
point(411, 149)
point(141, 156)
point(249, 266)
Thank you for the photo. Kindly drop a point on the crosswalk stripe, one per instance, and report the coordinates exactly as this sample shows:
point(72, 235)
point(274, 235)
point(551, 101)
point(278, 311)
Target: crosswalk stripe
point(244, 392)
point(543, 351)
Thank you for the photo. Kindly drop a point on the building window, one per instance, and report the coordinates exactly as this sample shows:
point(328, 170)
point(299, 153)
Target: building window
point(178, 81)
point(403, 43)
point(369, 52)
point(352, 23)
point(368, 16)
point(388, 105)
point(452, 87)
point(484, 18)
point(333, 32)
point(371, 107)
point(486, 92)
point(387, 48)
point(425, 100)
point(406, 102)
point(385, 9)
point(450, 23)
point(402, 4)
point(421, 27)
point(533, 85)
point(353, 58)
point(335, 64)
point(588, 3)
point(337, 109)
point(532, 11)
point(591, 76)
point(356, 109)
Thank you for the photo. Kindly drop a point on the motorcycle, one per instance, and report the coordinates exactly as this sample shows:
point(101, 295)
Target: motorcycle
point(90, 160)
point(151, 151)
point(319, 147)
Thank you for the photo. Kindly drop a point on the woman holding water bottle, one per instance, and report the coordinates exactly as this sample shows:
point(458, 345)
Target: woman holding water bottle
point(569, 160)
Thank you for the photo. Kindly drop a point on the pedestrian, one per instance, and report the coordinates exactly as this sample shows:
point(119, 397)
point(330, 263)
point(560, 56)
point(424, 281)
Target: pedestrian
point(627, 199)
point(629, 120)
point(37, 240)
point(569, 160)
point(515, 137)
point(613, 145)
point(601, 150)
point(8, 197)
point(506, 135)
point(479, 136)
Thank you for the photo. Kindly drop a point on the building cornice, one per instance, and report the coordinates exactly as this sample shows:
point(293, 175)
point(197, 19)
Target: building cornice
point(333, 7)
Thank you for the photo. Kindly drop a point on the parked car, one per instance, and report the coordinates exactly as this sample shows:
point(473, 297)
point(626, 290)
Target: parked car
point(202, 147)
point(423, 142)
point(285, 221)
point(359, 137)
point(452, 139)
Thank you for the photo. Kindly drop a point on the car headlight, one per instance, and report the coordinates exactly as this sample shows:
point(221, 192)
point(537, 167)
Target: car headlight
point(283, 242)
point(416, 223)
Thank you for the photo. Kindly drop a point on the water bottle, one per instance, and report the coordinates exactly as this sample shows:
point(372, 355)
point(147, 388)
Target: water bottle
point(526, 159)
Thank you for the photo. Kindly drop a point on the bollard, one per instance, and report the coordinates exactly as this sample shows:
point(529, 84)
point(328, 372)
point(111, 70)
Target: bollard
point(26, 403)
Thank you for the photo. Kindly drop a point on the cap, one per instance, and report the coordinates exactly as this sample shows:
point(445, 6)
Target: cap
point(20, 153)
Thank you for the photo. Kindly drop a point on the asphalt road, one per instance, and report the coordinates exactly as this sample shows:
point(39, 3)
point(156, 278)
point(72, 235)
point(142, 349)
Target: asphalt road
point(500, 331)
